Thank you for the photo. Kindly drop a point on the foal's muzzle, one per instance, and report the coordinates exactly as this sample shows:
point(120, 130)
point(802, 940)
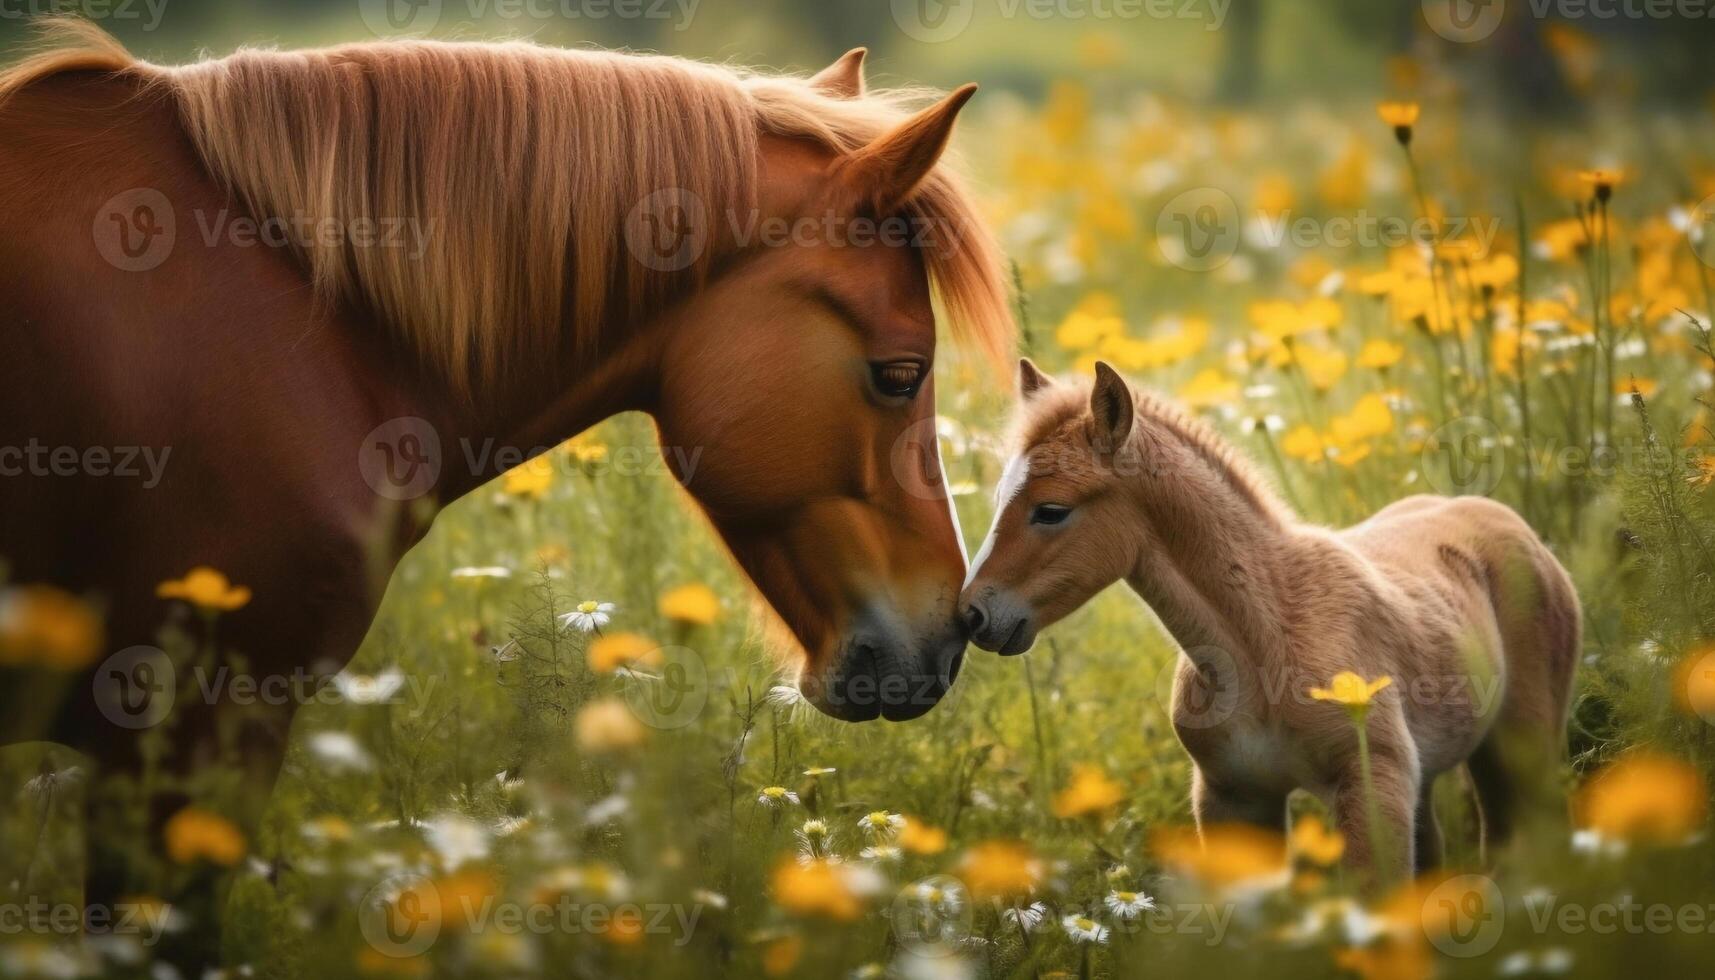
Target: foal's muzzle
point(997, 621)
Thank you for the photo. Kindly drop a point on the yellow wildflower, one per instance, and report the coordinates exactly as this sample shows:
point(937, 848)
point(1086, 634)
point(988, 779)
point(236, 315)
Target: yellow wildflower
point(1644, 796)
point(195, 834)
point(1089, 792)
point(921, 838)
point(1317, 842)
point(1000, 869)
point(816, 888)
point(1379, 355)
point(694, 604)
point(45, 625)
point(585, 450)
point(1211, 387)
point(1350, 691)
point(1224, 856)
point(1402, 116)
point(611, 651)
point(607, 725)
point(529, 481)
point(207, 589)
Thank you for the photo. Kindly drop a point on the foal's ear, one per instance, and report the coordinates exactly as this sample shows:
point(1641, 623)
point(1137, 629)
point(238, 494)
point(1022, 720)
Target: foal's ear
point(844, 78)
point(882, 176)
point(1031, 380)
point(1110, 409)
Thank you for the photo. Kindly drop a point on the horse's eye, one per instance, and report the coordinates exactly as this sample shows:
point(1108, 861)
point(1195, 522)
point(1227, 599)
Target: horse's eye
point(1049, 513)
point(897, 379)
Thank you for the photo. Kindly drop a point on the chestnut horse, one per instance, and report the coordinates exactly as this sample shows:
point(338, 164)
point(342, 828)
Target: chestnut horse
point(583, 234)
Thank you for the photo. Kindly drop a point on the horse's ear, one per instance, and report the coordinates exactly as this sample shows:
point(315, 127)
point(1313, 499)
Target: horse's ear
point(1031, 380)
point(844, 78)
point(882, 176)
point(1111, 409)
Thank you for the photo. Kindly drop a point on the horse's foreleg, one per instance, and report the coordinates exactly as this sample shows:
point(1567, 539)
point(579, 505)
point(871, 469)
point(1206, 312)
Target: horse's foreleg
point(198, 859)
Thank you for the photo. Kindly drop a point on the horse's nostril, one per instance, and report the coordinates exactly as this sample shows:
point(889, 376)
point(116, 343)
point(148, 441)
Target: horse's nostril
point(975, 618)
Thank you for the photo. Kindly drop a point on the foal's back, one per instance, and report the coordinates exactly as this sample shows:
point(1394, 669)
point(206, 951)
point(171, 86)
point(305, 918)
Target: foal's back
point(1455, 561)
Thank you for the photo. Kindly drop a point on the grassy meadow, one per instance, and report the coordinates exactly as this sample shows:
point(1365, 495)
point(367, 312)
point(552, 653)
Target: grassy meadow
point(1370, 300)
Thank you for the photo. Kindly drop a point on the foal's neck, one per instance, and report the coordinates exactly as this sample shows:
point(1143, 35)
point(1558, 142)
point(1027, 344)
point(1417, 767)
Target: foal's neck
point(1220, 554)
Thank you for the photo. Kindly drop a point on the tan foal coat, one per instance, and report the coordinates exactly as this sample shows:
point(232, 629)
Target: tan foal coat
point(1455, 599)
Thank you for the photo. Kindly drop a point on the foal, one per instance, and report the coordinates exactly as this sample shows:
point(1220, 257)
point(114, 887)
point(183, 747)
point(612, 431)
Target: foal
point(1455, 599)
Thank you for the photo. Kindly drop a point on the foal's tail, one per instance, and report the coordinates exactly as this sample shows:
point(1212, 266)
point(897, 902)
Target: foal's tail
point(66, 44)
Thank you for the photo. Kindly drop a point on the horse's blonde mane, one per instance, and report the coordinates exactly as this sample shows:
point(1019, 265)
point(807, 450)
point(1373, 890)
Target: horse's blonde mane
point(527, 161)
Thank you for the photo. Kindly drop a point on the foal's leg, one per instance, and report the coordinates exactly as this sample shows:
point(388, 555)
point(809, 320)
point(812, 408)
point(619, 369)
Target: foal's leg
point(1428, 839)
point(1390, 855)
point(1212, 804)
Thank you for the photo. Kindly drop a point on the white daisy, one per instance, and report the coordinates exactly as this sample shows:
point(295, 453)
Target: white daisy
point(784, 696)
point(713, 899)
point(881, 852)
point(1083, 929)
point(775, 796)
point(482, 571)
point(456, 839)
point(1128, 905)
point(814, 837)
point(340, 752)
point(881, 824)
point(588, 617)
point(1027, 918)
point(369, 688)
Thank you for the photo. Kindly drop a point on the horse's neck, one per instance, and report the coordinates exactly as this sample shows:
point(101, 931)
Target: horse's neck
point(1217, 570)
point(550, 404)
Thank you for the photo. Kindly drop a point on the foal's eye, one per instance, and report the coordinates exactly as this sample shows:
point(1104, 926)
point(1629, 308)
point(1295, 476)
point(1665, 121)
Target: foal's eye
point(1049, 513)
point(897, 379)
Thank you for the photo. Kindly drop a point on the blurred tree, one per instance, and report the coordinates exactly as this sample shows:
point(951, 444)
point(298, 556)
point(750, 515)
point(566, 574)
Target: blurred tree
point(1241, 66)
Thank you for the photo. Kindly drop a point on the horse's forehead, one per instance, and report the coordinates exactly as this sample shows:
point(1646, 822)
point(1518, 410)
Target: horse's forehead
point(891, 282)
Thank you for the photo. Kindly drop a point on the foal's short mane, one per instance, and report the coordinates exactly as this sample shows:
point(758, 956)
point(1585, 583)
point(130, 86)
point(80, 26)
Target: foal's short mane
point(1045, 416)
point(522, 164)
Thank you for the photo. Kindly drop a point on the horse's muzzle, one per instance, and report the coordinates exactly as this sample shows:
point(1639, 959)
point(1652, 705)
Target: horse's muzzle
point(883, 671)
